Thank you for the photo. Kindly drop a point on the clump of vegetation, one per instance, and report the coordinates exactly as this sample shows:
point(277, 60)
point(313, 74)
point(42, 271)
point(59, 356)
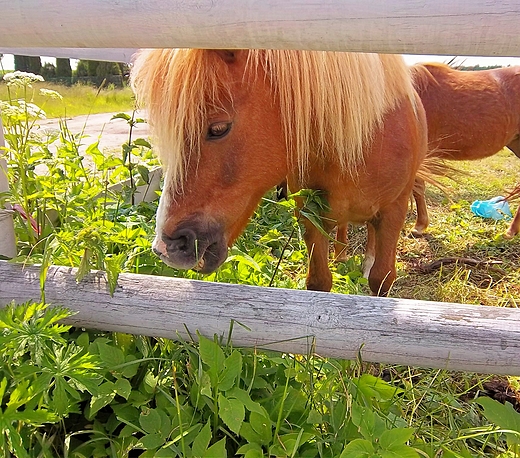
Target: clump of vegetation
point(72, 392)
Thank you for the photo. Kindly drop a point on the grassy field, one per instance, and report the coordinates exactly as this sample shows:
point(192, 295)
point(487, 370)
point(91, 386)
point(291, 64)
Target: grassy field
point(456, 232)
point(77, 100)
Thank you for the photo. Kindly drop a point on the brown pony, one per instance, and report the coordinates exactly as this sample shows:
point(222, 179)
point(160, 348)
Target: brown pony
point(471, 115)
point(230, 125)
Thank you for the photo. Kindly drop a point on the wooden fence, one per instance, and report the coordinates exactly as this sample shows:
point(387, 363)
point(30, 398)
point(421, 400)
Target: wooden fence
point(464, 27)
point(430, 334)
point(400, 331)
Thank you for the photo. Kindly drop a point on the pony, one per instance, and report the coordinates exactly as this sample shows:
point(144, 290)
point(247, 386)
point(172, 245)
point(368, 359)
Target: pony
point(471, 115)
point(229, 125)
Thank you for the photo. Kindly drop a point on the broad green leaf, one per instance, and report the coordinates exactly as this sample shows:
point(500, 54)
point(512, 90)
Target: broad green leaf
point(126, 412)
point(123, 387)
point(365, 419)
point(129, 370)
point(502, 415)
point(291, 442)
point(106, 394)
point(337, 415)
point(60, 400)
point(395, 437)
point(144, 173)
point(217, 450)
point(244, 398)
point(251, 436)
point(142, 142)
point(151, 441)
point(314, 417)
point(83, 340)
point(251, 450)
point(201, 442)
point(232, 412)
point(231, 371)
point(110, 355)
point(402, 451)
point(262, 426)
point(358, 448)
point(124, 116)
point(213, 356)
point(446, 453)
point(375, 388)
point(35, 417)
point(150, 420)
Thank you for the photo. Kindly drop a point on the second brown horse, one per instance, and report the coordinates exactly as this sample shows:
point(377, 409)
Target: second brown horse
point(471, 115)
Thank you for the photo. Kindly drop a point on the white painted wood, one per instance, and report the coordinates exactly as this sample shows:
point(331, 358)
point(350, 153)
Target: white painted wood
point(7, 238)
point(416, 333)
point(102, 54)
point(464, 27)
point(145, 192)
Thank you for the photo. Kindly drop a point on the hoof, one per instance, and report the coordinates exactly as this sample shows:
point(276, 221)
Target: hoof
point(341, 258)
point(509, 234)
point(417, 234)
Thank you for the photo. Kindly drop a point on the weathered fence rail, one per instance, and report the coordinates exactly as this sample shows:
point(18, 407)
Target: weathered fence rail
point(427, 334)
point(103, 54)
point(465, 27)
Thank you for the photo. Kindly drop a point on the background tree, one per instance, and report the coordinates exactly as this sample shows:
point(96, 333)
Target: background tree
point(32, 64)
point(82, 68)
point(48, 70)
point(63, 68)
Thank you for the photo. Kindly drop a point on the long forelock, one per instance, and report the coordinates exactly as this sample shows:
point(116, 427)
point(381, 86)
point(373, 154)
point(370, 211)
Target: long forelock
point(179, 87)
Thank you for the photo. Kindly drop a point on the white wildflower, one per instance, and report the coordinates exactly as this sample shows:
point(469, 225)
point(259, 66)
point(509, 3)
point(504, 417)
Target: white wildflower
point(34, 111)
point(21, 78)
point(50, 93)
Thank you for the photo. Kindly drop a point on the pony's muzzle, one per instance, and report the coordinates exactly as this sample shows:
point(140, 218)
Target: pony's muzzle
point(194, 245)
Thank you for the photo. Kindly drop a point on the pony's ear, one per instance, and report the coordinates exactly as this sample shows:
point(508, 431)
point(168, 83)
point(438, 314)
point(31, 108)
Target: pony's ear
point(227, 55)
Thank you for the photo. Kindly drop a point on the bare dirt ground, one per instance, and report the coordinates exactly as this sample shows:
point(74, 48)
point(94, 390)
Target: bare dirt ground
point(112, 133)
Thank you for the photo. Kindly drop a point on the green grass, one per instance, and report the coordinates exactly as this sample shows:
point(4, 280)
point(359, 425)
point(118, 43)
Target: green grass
point(455, 231)
point(78, 99)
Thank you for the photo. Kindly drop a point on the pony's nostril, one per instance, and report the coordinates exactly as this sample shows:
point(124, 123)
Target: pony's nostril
point(181, 243)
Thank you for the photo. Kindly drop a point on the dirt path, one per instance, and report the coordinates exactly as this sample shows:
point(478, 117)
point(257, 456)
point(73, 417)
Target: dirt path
point(112, 133)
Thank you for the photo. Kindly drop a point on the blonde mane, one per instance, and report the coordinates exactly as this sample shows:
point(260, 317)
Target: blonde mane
point(330, 102)
point(422, 76)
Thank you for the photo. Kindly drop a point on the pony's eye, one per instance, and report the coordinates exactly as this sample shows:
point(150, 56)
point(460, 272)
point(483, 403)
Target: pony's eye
point(218, 130)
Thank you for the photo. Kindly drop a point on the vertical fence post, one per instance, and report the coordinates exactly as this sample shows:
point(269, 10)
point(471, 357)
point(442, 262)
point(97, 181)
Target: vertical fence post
point(7, 238)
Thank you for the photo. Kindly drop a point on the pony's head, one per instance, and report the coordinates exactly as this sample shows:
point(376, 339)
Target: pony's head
point(219, 137)
point(229, 125)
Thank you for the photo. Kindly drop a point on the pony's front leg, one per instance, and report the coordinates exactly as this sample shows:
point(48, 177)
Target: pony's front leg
point(422, 211)
point(383, 234)
point(514, 227)
point(340, 245)
point(319, 277)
